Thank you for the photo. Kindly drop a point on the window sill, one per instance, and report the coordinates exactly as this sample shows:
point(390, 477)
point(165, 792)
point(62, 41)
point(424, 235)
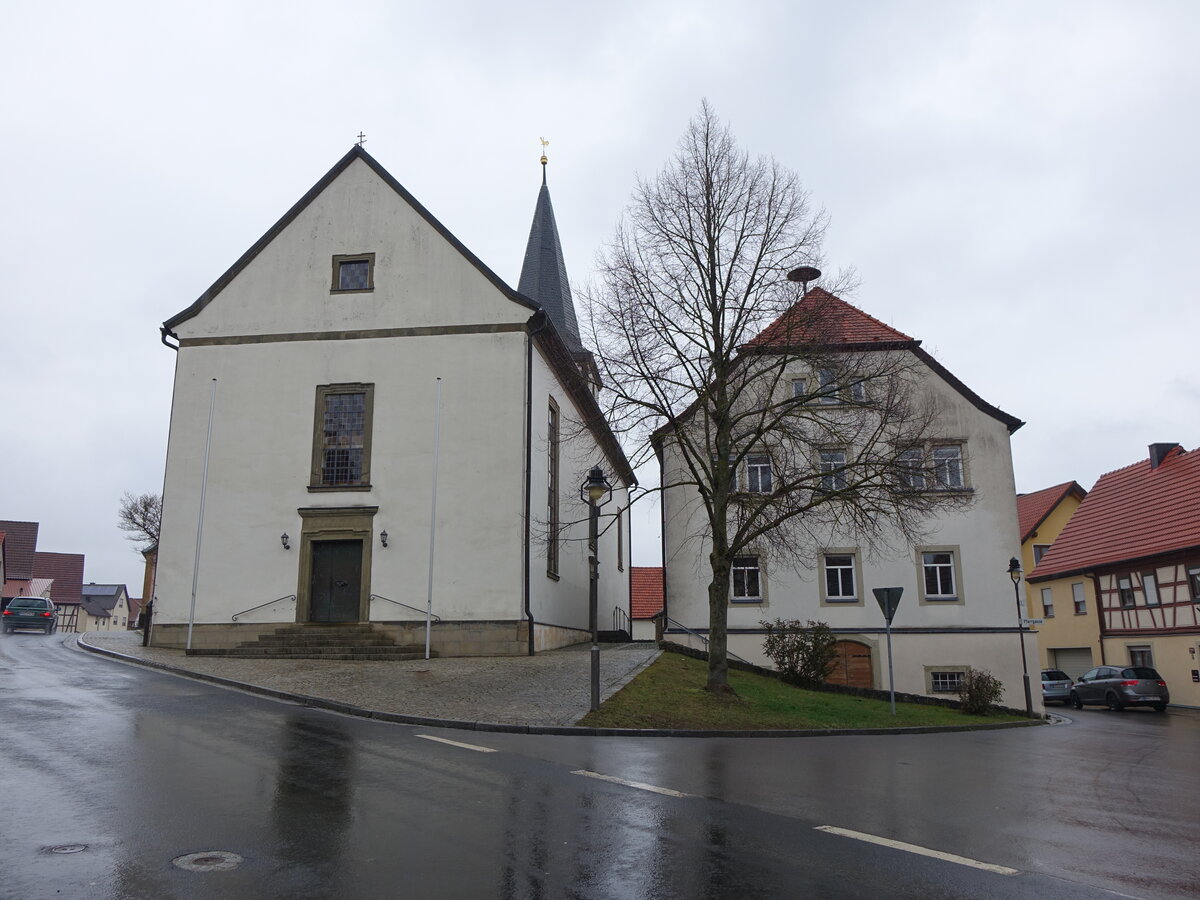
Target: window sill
point(746, 601)
point(332, 488)
point(941, 599)
point(352, 290)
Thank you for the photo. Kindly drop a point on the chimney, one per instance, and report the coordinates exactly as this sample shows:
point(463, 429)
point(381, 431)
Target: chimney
point(1158, 452)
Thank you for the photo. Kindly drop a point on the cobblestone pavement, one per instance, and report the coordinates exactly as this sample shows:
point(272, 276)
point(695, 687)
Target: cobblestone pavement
point(550, 689)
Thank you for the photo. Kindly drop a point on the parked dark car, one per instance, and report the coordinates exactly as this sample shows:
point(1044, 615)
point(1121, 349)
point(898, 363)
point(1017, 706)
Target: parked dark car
point(1119, 686)
point(1056, 686)
point(30, 612)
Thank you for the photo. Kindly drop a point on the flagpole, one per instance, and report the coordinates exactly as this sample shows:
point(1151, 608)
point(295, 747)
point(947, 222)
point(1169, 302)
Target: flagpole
point(212, 402)
point(437, 436)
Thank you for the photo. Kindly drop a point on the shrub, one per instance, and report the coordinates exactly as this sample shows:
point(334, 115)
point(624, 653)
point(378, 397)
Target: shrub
point(804, 653)
point(979, 692)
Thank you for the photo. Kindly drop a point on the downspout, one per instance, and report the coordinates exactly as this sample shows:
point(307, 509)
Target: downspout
point(536, 325)
point(148, 602)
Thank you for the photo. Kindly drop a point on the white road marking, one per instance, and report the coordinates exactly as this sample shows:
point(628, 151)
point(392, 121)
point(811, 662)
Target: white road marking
point(441, 740)
point(641, 786)
point(921, 851)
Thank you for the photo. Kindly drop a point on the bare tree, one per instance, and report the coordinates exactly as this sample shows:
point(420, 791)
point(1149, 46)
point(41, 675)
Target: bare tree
point(783, 434)
point(140, 515)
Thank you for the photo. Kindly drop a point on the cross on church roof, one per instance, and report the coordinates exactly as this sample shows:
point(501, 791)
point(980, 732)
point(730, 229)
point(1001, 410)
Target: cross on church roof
point(361, 138)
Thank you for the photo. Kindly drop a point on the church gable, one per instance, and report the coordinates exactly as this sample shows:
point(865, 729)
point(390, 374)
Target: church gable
point(356, 254)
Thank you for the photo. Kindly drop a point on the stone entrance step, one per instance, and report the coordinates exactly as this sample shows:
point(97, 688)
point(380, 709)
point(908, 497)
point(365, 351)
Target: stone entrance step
point(321, 641)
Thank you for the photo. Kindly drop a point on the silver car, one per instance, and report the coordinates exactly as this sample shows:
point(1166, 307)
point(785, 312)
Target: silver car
point(1056, 686)
point(1120, 686)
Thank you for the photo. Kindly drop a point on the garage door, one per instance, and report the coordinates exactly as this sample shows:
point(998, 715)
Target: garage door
point(1073, 660)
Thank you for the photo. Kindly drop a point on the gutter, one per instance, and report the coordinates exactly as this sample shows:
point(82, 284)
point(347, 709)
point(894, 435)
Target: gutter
point(537, 323)
point(166, 332)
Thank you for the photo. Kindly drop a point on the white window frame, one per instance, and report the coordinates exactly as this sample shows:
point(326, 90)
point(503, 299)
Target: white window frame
point(949, 470)
point(751, 566)
point(845, 569)
point(1039, 550)
point(1126, 599)
point(756, 463)
point(1079, 598)
point(1150, 589)
point(951, 568)
point(799, 388)
point(833, 471)
point(827, 385)
point(945, 680)
point(911, 463)
point(1047, 603)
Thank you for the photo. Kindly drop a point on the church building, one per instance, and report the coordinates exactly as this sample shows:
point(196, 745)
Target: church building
point(367, 419)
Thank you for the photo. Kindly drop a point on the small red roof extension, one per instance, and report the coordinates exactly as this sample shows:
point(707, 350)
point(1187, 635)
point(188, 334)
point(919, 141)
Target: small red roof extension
point(645, 591)
point(1132, 513)
point(1032, 509)
point(821, 318)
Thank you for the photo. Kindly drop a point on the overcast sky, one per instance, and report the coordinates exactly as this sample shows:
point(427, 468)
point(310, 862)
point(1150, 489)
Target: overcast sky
point(1016, 184)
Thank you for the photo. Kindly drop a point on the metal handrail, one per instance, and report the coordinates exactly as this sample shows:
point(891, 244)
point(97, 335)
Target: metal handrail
point(621, 620)
point(728, 652)
point(435, 616)
point(291, 597)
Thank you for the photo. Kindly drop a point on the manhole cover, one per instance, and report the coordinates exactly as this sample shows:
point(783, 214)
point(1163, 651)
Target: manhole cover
point(208, 861)
point(67, 848)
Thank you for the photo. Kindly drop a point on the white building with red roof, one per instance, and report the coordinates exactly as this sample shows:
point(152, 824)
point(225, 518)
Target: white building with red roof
point(1135, 540)
point(957, 609)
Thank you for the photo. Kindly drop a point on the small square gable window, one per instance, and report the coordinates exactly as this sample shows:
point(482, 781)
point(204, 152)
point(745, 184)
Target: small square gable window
point(353, 273)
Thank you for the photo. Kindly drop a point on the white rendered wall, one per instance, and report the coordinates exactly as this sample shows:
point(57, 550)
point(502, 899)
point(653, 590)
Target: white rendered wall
point(261, 459)
point(565, 601)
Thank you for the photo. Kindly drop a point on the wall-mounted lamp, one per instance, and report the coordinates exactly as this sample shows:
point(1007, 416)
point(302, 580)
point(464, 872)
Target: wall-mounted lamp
point(283, 539)
point(383, 537)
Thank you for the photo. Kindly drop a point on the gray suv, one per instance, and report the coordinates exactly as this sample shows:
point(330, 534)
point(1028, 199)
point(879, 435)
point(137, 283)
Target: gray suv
point(1120, 686)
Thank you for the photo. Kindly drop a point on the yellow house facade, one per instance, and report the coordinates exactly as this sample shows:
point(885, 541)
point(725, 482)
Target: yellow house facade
point(1069, 636)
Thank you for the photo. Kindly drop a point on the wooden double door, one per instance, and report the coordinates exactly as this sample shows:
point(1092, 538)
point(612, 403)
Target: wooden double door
point(853, 666)
point(335, 587)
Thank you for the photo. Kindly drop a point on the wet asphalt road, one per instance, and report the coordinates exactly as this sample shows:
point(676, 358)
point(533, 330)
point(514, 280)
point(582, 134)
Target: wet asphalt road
point(142, 767)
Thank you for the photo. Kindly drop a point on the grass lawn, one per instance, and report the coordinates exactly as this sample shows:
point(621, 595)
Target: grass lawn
point(670, 694)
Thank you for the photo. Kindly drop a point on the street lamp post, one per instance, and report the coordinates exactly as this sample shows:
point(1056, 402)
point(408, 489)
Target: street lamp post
point(595, 492)
point(1014, 572)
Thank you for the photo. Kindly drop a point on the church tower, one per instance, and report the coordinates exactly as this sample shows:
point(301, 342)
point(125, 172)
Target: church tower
point(544, 281)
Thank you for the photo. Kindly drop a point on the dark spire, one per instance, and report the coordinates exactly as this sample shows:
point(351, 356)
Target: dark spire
point(544, 275)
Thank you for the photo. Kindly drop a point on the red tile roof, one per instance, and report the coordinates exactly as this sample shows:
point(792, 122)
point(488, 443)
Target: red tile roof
point(645, 592)
point(821, 318)
point(67, 571)
point(1032, 509)
point(20, 542)
point(1135, 512)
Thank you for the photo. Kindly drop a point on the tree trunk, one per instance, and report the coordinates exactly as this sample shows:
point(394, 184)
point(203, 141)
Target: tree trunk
point(718, 630)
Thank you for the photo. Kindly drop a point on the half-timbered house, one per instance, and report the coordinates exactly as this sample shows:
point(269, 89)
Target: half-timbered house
point(1136, 538)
